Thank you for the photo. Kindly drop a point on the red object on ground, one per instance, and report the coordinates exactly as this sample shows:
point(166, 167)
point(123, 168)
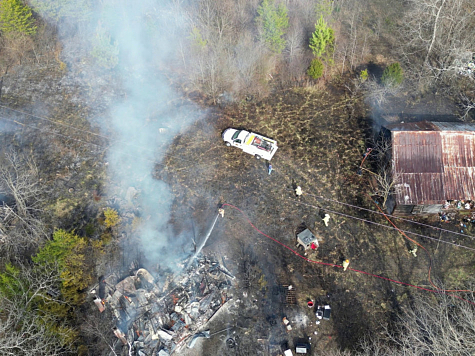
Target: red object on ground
point(313, 246)
point(310, 304)
point(339, 266)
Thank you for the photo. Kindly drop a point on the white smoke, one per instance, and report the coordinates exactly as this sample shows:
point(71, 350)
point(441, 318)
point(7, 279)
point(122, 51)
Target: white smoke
point(138, 39)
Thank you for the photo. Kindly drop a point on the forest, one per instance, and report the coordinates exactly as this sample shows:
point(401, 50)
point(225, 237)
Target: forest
point(112, 169)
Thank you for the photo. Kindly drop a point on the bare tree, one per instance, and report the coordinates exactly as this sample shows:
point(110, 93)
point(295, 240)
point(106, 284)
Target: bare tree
point(468, 104)
point(437, 324)
point(442, 325)
point(387, 184)
point(387, 180)
point(97, 330)
point(378, 93)
point(20, 225)
point(436, 34)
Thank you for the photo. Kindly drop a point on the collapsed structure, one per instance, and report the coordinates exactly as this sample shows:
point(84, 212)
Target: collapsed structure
point(162, 317)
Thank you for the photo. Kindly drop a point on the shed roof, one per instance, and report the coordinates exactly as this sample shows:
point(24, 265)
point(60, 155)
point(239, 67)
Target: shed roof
point(434, 161)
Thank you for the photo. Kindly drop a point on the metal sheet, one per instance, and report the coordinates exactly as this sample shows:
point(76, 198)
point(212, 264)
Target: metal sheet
point(417, 152)
point(433, 165)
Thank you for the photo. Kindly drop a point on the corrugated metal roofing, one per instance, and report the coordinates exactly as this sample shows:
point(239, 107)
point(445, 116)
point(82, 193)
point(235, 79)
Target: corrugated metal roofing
point(454, 126)
point(434, 162)
point(413, 126)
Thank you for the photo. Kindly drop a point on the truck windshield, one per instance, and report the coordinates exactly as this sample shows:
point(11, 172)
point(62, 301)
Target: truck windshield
point(236, 134)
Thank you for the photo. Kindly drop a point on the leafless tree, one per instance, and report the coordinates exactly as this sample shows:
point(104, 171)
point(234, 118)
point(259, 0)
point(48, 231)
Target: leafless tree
point(377, 93)
point(97, 330)
point(468, 104)
point(24, 330)
point(437, 324)
point(20, 225)
point(436, 34)
point(387, 180)
point(387, 184)
point(336, 352)
point(441, 325)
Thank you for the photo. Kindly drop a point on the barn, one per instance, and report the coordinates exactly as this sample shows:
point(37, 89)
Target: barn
point(432, 163)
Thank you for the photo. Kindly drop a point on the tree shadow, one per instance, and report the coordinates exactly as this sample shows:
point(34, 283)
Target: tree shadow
point(375, 70)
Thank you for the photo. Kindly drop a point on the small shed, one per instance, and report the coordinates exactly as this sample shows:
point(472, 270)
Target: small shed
point(433, 162)
point(306, 238)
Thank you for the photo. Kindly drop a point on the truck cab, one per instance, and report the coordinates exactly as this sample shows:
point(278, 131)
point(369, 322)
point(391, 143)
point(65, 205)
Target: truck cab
point(252, 143)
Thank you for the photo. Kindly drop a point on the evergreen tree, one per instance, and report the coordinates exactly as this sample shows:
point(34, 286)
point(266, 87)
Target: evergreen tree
point(69, 251)
point(15, 17)
point(56, 10)
point(104, 50)
point(273, 21)
point(323, 39)
point(316, 69)
point(392, 75)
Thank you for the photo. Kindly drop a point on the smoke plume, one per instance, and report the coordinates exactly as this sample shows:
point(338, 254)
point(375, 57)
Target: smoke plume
point(129, 45)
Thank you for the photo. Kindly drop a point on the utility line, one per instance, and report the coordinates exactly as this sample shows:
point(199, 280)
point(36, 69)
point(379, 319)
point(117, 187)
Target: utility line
point(51, 132)
point(80, 141)
point(55, 122)
point(95, 144)
point(428, 255)
point(436, 291)
point(382, 225)
point(162, 164)
point(85, 131)
point(392, 216)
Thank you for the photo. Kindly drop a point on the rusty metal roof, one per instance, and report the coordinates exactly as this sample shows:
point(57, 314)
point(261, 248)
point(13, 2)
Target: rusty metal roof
point(413, 126)
point(434, 162)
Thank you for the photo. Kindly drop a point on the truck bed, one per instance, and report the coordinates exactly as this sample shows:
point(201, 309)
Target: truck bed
point(259, 142)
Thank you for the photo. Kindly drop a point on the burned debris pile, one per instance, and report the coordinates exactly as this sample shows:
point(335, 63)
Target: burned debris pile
point(159, 317)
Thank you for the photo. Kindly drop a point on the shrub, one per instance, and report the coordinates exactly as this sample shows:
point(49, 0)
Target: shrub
point(112, 217)
point(364, 75)
point(197, 38)
point(392, 75)
point(316, 69)
point(16, 17)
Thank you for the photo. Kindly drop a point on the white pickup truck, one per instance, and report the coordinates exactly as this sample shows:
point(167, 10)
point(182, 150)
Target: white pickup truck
point(252, 143)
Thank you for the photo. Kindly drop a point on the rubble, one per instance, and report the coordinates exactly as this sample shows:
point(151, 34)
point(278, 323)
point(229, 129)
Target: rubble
point(166, 318)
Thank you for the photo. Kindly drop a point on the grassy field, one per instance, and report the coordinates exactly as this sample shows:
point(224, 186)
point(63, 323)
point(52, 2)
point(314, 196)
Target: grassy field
point(322, 135)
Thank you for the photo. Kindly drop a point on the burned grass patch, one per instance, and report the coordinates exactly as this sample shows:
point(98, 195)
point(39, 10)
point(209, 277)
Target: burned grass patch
point(321, 143)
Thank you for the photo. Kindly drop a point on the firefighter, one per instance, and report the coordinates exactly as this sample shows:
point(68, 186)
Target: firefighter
point(346, 263)
point(326, 219)
point(298, 191)
point(414, 251)
point(221, 212)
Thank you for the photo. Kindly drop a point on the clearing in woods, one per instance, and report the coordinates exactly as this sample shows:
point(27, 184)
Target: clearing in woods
point(322, 136)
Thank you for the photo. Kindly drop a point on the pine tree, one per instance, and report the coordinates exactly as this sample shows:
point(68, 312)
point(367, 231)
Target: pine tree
point(56, 10)
point(15, 17)
point(69, 251)
point(323, 39)
point(273, 21)
point(392, 75)
point(104, 49)
point(316, 69)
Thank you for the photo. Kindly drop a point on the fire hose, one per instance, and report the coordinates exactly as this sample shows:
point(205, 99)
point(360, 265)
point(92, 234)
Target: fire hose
point(413, 241)
point(436, 291)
